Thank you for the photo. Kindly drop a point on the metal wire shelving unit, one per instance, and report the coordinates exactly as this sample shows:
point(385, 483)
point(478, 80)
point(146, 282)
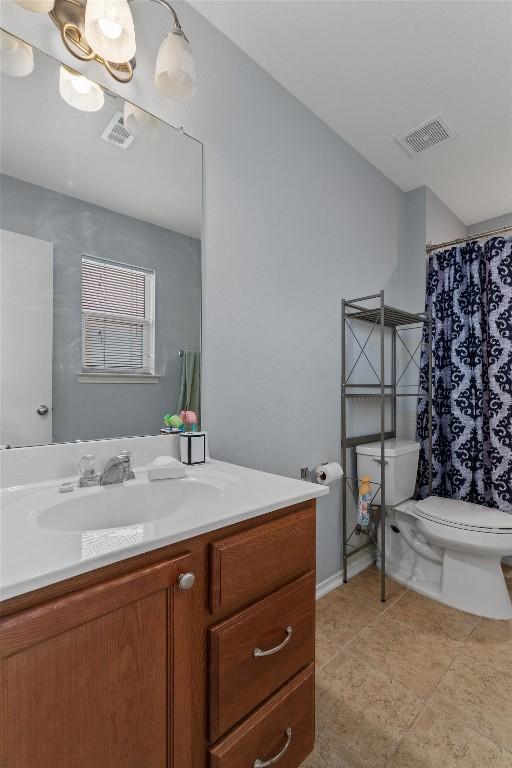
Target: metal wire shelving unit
point(394, 322)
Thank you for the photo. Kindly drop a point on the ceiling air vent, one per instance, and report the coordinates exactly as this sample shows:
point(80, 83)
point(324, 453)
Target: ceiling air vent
point(426, 136)
point(116, 133)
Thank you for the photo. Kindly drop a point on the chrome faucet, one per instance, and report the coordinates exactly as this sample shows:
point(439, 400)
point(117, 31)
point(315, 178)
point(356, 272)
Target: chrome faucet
point(114, 471)
point(117, 470)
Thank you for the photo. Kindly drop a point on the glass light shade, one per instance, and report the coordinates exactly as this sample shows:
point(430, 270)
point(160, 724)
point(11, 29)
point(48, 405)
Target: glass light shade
point(37, 6)
point(109, 29)
point(175, 69)
point(16, 57)
point(79, 92)
point(138, 122)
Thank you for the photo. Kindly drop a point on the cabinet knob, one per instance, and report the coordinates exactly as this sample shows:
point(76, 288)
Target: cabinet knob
point(186, 581)
point(42, 410)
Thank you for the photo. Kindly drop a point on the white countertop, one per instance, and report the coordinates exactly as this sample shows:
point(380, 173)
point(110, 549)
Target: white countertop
point(33, 556)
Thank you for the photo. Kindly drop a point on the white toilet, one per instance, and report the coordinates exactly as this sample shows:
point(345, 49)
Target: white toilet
point(448, 550)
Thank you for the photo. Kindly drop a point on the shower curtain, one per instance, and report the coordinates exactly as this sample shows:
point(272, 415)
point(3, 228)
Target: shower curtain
point(469, 291)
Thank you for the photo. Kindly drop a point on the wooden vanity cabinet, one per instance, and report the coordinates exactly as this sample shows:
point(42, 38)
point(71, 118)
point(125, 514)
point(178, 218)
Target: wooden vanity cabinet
point(101, 677)
point(121, 668)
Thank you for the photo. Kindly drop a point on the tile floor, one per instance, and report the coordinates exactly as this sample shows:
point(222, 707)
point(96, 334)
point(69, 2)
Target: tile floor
point(410, 683)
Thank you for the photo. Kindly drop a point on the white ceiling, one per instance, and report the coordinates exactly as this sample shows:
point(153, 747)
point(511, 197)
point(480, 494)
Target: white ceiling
point(372, 70)
point(45, 141)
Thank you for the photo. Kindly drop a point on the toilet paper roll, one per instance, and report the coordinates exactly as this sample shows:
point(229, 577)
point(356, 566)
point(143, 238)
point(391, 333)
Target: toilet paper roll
point(328, 473)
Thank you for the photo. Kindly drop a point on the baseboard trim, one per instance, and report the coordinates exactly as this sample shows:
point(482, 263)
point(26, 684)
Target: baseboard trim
point(336, 580)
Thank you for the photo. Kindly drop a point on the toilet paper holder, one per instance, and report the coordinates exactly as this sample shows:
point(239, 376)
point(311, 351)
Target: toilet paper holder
point(312, 475)
point(307, 474)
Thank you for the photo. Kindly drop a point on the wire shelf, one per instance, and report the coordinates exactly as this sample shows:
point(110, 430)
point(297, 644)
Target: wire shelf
point(380, 317)
point(393, 317)
point(384, 394)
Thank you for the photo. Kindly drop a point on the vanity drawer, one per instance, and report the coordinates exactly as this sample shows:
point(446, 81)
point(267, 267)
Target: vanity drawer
point(248, 564)
point(280, 630)
point(288, 718)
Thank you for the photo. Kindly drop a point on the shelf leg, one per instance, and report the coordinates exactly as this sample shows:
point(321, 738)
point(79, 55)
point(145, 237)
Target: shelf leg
point(343, 448)
point(382, 455)
point(429, 402)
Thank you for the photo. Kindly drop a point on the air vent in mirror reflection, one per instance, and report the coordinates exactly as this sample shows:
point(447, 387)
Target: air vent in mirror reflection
point(116, 133)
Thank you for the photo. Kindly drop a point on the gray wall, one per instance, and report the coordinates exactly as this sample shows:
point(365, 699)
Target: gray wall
point(86, 410)
point(413, 276)
point(428, 219)
point(482, 226)
point(441, 223)
point(294, 219)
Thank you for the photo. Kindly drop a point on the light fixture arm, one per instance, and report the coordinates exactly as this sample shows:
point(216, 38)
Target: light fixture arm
point(177, 25)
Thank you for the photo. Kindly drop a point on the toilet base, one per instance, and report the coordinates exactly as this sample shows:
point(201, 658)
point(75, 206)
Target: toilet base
point(501, 611)
point(476, 585)
point(471, 583)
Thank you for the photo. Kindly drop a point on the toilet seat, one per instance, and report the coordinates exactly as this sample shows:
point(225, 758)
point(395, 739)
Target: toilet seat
point(463, 515)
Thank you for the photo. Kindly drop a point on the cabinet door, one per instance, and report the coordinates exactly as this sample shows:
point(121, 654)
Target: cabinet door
point(101, 678)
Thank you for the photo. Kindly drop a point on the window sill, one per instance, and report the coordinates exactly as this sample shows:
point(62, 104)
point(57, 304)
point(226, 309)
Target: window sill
point(117, 378)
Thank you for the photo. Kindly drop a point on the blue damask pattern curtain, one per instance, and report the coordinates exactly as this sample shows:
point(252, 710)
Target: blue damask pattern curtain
point(469, 292)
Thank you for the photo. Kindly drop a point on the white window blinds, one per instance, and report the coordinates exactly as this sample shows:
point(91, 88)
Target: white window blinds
point(118, 327)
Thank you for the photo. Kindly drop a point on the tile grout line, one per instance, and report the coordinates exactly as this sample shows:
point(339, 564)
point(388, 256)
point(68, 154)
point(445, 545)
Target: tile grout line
point(422, 709)
point(464, 724)
point(464, 642)
point(388, 604)
point(376, 667)
point(482, 735)
point(359, 631)
point(406, 624)
point(348, 642)
point(426, 701)
point(429, 699)
point(406, 733)
point(412, 626)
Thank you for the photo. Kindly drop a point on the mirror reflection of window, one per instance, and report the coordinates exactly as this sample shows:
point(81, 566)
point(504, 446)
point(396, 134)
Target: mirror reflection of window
point(118, 317)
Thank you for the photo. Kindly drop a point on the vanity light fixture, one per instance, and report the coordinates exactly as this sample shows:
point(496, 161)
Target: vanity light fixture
point(138, 122)
point(103, 31)
point(37, 6)
point(79, 92)
point(175, 69)
point(16, 57)
point(109, 30)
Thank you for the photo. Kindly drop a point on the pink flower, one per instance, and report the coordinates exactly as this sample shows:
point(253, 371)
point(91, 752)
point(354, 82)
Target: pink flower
point(189, 417)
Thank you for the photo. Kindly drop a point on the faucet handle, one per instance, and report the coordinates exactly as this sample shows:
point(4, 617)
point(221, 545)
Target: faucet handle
point(126, 458)
point(86, 467)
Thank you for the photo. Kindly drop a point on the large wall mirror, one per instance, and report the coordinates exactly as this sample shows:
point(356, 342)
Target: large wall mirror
point(100, 263)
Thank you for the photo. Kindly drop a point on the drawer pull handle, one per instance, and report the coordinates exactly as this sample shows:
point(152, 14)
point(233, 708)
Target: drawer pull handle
point(267, 763)
point(258, 652)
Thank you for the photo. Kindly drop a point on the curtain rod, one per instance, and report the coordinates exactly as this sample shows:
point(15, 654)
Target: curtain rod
point(430, 247)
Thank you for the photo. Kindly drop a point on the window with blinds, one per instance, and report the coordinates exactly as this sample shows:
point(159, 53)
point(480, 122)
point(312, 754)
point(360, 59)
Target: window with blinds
point(118, 317)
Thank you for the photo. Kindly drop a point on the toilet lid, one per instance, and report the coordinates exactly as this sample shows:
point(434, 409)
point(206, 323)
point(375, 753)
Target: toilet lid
point(463, 514)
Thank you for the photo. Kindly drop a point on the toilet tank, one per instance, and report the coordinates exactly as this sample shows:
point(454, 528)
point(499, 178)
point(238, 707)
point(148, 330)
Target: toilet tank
point(401, 466)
